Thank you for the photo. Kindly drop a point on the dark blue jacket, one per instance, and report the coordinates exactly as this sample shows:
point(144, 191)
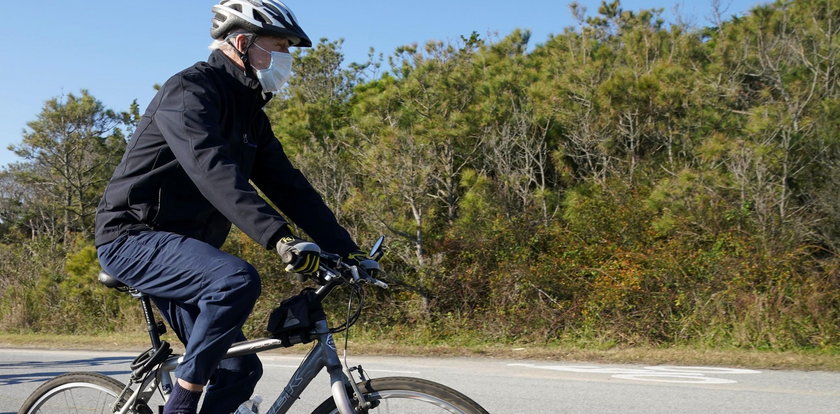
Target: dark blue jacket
point(187, 167)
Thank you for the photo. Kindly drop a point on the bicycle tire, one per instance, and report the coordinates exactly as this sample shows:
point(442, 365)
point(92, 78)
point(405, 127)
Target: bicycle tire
point(409, 395)
point(75, 392)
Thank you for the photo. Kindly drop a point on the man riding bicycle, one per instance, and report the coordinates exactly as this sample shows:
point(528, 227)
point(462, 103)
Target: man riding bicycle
point(186, 176)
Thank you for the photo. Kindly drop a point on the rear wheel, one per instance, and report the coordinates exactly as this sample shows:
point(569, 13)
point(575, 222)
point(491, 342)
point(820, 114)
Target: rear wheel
point(74, 393)
point(409, 395)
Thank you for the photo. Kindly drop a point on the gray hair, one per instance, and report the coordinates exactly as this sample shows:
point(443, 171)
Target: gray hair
point(223, 45)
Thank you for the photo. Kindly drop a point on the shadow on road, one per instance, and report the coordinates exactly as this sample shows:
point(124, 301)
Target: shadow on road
point(31, 370)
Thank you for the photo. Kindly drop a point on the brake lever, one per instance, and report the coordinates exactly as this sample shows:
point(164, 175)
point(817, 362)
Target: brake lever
point(368, 278)
point(379, 283)
point(354, 271)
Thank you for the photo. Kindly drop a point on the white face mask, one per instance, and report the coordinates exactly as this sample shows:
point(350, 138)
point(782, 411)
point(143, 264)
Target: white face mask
point(277, 73)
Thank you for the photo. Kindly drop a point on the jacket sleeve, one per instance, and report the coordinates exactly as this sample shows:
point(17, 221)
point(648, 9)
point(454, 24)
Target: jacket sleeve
point(188, 118)
point(292, 193)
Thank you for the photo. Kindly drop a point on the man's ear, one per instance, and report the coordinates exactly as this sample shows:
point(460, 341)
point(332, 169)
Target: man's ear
point(241, 41)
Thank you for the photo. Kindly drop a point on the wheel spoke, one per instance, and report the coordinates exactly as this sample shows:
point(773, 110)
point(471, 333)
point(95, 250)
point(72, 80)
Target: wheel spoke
point(79, 393)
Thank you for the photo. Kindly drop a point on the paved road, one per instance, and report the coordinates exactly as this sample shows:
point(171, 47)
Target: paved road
point(503, 386)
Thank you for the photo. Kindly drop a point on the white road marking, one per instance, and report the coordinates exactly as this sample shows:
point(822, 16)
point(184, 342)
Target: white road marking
point(663, 373)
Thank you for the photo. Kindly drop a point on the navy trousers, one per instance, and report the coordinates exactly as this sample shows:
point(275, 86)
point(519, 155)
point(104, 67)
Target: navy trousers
point(206, 295)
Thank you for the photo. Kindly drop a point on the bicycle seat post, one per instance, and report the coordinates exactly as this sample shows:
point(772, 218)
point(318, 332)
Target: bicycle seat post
point(151, 324)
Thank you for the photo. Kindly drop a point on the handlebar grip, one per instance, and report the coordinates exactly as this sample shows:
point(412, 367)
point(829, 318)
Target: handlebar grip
point(330, 256)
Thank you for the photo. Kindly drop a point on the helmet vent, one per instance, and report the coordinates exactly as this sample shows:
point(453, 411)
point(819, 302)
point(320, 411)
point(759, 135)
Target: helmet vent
point(237, 7)
point(259, 17)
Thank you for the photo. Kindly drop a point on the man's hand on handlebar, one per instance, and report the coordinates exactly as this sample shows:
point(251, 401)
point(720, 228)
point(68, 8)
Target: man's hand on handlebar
point(306, 259)
point(364, 262)
point(301, 256)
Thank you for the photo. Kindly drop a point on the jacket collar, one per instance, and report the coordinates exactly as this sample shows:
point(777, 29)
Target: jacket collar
point(248, 84)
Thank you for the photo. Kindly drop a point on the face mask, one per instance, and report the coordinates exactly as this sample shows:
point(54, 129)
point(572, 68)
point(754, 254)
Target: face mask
point(277, 73)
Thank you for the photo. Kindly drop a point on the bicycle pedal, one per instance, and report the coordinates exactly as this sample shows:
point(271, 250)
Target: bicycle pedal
point(149, 359)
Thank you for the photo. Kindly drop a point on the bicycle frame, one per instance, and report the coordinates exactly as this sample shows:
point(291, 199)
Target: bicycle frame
point(322, 355)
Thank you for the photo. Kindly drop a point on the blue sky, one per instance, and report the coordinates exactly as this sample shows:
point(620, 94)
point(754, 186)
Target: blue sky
point(119, 49)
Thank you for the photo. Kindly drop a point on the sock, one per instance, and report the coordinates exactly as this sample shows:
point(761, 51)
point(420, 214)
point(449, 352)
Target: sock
point(182, 401)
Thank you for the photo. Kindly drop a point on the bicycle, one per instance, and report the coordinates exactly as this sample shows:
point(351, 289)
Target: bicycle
point(151, 371)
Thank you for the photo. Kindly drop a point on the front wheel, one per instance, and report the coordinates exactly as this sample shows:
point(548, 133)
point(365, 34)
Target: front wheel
point(409, 395)
point(78, 392)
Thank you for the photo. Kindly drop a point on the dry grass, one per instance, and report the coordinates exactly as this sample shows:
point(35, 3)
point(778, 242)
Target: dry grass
point(809, 361)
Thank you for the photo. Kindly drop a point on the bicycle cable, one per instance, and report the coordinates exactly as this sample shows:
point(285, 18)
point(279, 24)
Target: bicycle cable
point(351, 319)
point(347, 335)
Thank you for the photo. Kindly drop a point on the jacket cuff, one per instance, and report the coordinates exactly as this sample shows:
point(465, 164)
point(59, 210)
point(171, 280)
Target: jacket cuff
point(282, 232)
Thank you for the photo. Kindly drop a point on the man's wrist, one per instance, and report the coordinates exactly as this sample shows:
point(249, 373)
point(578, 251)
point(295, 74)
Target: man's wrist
point(281, 234)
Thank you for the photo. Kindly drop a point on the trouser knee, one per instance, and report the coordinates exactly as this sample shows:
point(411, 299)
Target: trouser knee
point(251, 286)
point(240, 283)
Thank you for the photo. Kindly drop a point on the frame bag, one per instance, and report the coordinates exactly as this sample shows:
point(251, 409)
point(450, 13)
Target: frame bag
point(292, 321)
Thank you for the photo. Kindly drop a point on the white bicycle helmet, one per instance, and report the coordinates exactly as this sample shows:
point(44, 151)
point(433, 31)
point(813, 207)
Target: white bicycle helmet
point(263, 17)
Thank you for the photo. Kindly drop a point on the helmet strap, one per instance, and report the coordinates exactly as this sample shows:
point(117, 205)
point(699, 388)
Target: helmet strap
point(243, 55)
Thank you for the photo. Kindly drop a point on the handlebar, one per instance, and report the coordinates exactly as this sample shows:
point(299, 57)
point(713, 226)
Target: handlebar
point(333, 272)
point(333, 268)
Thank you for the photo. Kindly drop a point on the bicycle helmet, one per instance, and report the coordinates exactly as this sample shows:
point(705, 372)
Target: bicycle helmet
point(262, 17)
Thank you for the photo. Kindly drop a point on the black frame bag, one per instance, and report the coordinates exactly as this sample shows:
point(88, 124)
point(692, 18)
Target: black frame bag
point(295, 317)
